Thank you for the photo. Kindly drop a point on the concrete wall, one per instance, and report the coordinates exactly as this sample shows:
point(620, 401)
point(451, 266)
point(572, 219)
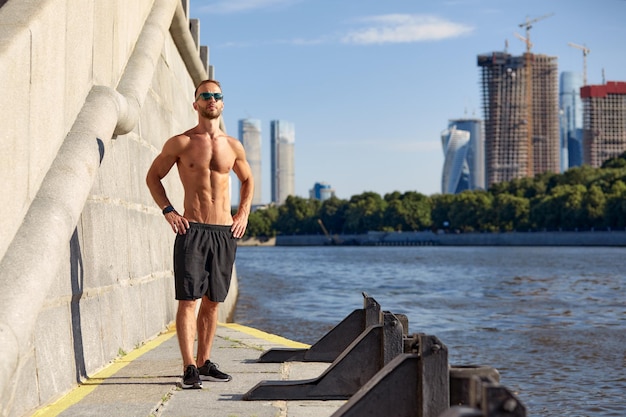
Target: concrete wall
point(91, 90)
point(586, 238)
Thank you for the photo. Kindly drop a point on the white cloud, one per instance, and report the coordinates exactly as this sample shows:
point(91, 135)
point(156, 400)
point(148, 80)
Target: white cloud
point(236, 6)
point(405, 28)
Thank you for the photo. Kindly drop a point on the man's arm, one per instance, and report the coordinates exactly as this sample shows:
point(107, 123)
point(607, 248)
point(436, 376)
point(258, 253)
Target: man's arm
point(160, 167)
point(244, 174)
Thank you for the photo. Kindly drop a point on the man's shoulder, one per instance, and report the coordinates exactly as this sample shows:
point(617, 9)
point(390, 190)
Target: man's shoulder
point(177, 143)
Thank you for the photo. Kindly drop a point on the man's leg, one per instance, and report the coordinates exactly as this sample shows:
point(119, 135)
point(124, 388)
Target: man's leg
point(207, 326)
point(186, 330)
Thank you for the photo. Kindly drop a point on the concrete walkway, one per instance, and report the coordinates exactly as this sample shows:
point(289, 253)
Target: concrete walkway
point(143, 382)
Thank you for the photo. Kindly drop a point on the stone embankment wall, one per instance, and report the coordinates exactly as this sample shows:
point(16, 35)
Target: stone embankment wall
point(91, 90)
point(586, 238)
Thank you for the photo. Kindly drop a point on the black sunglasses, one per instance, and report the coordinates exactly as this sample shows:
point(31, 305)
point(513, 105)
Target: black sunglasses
point(206, 96)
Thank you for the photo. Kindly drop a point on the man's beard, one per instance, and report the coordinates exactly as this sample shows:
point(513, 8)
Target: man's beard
point(210, 114)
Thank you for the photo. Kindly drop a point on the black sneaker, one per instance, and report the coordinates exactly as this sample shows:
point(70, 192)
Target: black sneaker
point(209, 372)
point(191, 379)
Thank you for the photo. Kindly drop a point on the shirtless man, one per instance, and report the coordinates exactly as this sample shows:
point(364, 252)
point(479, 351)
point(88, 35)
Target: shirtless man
point(206, 232)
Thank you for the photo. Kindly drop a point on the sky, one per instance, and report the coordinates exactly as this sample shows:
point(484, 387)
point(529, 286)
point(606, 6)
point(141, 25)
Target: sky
point(370, 85)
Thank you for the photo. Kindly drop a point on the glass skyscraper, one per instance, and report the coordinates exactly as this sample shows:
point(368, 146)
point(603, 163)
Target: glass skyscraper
point(455, 176)
point(464, 156)
point(282, 155)
point(250, 137)
point(571, 111)
point(475, 157)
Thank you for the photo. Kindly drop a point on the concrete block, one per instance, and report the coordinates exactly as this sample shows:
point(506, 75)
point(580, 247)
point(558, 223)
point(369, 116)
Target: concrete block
point(194, 28)
point(104, 67)
point(78, 57)
point(112, 323)
point(14, 149)
point(55, 345)
point(101, 261)
point(69, 276)
point(182, 87)
point(47, 87)
point(204, 57)
point(153, 307)
point(133, 324)
point(111, 179)
point(91, 337)
point(26, 396)
point(138, 246)
point(137, 169)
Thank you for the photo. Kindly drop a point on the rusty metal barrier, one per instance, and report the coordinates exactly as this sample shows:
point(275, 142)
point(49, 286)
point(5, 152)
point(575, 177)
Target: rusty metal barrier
point(476, 391)
point(413, 384)
point(358, 363)
point(382, 371)
point(333, 343)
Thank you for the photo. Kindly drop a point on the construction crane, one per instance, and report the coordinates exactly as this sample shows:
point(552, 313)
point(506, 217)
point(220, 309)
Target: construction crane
point(585, 53)
point(525, 40)
point(528, 24)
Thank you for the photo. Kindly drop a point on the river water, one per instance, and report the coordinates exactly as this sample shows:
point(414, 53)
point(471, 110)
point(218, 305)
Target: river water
point(552, 320)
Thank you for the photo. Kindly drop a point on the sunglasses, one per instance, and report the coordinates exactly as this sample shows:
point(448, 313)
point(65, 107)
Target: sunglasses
point(206, 96)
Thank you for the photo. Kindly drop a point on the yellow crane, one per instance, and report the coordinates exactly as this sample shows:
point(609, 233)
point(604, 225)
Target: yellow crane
point(523, 39)
point(528, 24)
point(585, 53)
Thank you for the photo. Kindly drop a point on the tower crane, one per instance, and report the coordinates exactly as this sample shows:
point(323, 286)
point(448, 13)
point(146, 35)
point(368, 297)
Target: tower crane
point(528, 24)
point(525, 40)
point(585, 53)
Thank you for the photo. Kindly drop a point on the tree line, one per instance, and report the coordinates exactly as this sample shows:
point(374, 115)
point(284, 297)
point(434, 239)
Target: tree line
point(582, 198)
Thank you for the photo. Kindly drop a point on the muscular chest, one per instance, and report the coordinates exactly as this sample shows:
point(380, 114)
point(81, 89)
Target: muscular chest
point(208, 155)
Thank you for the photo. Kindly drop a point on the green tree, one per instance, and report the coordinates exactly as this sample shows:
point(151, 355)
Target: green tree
point(441, 208)
point(407, 212)
point(332, 214)
point(261, 222)
point(364, 213)
point(593, 207)
point(471, 211)
point(511, 212)
point(615, 207)
point(562, 208)
point(298, 215)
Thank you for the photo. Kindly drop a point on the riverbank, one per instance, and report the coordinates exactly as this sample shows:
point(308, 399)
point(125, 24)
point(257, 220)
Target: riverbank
point(566, 238)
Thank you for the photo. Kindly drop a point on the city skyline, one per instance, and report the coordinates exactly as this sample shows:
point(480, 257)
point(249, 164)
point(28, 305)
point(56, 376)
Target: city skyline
point(371, 84)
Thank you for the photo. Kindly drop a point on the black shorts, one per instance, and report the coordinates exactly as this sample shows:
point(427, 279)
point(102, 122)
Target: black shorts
point(203, 262)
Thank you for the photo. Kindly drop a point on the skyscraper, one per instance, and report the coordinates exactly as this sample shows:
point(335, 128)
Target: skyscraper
point(520, 104)
point(455, 176)
point(604, 122)
point(282, 154)
point(571, 120)
point(475, 157)
point(250, 137)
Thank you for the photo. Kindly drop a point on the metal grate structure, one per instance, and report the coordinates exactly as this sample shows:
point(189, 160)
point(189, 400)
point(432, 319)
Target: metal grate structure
point(604, 122)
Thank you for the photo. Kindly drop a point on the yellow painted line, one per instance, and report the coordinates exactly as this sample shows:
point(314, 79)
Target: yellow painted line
point(88, 386)
point(265, 336)
point(93, 382)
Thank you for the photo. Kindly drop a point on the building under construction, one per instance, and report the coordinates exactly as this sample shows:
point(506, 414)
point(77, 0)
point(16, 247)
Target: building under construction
point(521, 112)
point(604, 122)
